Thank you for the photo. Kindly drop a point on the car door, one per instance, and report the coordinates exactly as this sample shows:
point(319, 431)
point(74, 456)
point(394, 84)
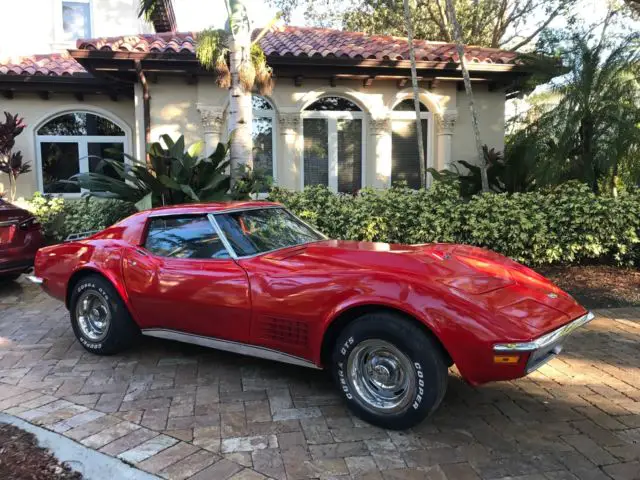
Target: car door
point(182, 278)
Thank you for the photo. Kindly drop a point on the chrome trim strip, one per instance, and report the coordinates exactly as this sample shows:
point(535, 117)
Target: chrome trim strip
point(34, 279)
point(223, 238)
point(8, 223)
point(244, 209)
point(203, 211)
point(229, 346)
point(547, 339)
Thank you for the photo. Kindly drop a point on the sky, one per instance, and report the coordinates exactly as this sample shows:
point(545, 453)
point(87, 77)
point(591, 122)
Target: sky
point(194, 15)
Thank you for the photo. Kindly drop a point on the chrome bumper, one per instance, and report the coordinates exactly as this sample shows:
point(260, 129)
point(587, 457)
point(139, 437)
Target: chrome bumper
point(34, 279)
point(547, 346)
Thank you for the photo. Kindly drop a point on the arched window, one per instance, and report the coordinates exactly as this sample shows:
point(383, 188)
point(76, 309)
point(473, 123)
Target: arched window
point(333, 144)
point(263, 133)
point(76, 142)
point(405, 162)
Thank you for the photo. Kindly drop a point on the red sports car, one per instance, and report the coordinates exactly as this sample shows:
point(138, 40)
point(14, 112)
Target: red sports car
point(387, 320)
point(20, 239)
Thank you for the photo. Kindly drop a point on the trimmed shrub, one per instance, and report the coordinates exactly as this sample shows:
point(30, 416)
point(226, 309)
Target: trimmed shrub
point(568, 224)
point(60, 218)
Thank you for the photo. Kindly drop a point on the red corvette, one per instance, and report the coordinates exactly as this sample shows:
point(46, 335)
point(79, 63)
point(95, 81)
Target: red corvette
point(20, 239)
point(387, 320)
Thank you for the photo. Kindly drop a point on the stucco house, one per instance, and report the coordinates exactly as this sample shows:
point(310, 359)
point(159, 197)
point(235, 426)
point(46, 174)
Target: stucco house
point(341, 112)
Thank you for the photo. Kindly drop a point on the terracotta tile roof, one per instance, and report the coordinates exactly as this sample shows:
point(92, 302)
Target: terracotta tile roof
point(54, 64)
point(321, 42)
point(279, 42)
point(311, 42)
point(169, 42)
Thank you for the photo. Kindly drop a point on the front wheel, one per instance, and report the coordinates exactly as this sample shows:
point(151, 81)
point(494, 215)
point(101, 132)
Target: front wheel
point(391, 373)
point(99, 317)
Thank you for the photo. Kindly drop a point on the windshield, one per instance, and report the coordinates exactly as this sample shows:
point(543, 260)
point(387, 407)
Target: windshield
point(251, 232)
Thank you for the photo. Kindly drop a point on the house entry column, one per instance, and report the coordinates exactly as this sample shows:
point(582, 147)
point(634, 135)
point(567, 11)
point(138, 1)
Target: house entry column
point(289, 161)
point(212, 121)
point(446, 126)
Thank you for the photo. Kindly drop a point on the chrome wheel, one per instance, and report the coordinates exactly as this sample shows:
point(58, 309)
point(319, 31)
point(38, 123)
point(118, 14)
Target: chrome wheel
point(381, 376)
point(94, 316)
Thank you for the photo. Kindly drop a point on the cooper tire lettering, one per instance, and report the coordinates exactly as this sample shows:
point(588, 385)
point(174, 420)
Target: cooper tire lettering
point(425, 365)
point(121, 331)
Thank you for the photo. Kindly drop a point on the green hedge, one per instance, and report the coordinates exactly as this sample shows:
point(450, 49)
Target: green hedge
point(60, 218)
point(568, 224)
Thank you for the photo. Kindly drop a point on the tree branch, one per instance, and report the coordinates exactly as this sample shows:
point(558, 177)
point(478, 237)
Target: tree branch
point(537, 30)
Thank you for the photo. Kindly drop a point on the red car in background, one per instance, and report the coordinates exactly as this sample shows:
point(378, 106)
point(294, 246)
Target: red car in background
point(386, 320)
point(20, 239)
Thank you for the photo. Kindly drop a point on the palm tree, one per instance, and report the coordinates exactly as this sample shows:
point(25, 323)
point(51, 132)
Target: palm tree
point(457, 33)
point(594, 125)
point(240, 65)
point(416, 99)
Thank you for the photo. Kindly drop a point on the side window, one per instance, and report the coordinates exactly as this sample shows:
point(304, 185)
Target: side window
point(184, 237)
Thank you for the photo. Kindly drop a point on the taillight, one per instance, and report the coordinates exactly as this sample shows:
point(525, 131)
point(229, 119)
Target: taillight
point(7, 232)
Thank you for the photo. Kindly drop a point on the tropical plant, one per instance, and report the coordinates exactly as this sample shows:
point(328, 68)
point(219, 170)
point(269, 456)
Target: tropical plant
point(61, 217)
point(11, 163)
point(592, 125)
point(240, 66)
point(175, 175)
point(502, 176)
point(250, 182)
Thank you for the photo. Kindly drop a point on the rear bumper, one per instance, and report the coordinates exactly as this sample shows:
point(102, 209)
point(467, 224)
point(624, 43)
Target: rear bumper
point(16, 266)
point(545, 347)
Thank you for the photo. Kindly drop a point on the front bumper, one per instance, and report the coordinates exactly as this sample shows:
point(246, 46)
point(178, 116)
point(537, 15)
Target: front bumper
point(544, 348)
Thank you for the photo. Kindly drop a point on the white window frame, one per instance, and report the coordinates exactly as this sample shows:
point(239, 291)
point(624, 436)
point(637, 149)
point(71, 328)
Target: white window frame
point(332, 118)
point(274, 137)
point(407, 115)
point(83, 148)
point(59, 40)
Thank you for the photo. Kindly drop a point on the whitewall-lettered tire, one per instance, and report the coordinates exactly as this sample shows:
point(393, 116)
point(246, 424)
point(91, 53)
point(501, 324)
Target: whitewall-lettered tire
point(391, 373)
point(99, 318)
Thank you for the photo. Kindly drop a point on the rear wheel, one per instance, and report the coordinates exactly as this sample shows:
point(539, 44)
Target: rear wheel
point(391, 373)
point(99, 317)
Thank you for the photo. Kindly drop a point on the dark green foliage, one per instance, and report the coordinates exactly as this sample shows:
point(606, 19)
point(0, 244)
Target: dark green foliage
point(587, 126)
point(60, 218)
point(512, 175)
point(568, 224)
point(174, 176)
point(250, 182)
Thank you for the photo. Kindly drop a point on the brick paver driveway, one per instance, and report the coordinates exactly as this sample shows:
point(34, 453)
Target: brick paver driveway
point(181, 411)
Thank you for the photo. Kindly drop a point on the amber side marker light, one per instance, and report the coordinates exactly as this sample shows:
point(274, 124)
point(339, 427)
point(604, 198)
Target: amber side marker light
point(506, 359)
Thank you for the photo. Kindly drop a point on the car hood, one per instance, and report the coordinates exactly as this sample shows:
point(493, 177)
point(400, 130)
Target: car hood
point(504, 287)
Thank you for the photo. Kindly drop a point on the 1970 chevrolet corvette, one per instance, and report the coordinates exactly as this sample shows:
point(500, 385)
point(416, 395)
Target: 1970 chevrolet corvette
point(387, 320)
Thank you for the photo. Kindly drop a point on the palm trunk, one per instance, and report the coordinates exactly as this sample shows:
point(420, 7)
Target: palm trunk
point(482, 163)
point(240, 112)
point(416, 98)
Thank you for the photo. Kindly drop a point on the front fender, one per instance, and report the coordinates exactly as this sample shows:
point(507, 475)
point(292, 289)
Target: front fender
point(460, 327)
